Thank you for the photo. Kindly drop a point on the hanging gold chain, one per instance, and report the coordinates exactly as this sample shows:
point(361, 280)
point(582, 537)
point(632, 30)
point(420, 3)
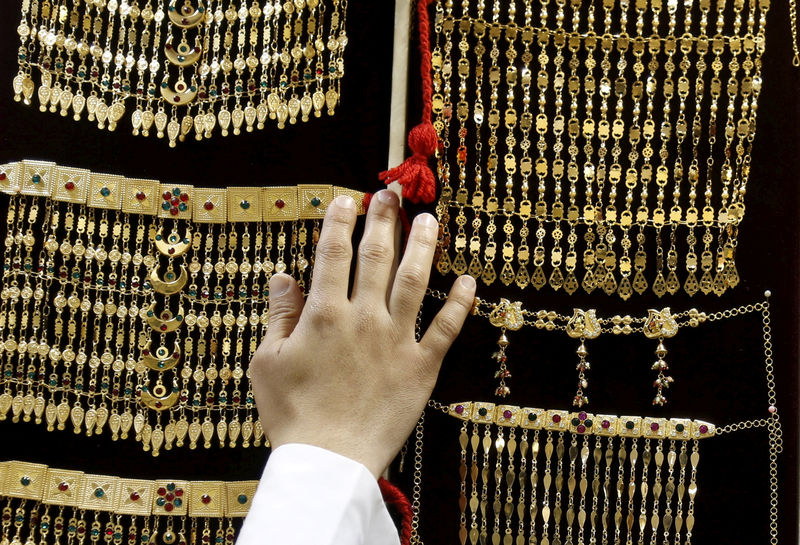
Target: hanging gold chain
point(793, 27)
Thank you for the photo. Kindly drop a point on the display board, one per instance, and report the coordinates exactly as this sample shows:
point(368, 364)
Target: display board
point(716, 360)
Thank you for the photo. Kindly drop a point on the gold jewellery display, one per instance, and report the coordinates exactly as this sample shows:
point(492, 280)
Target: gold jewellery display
point(530, 475)
point(44, 503)
point(603, 145)
point(182, 66)
point(133, 306)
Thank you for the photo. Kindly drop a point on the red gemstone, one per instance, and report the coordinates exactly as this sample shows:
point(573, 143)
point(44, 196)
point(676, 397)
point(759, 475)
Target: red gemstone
point(140, 196)
point(69, 186)
point(163, 328)
point(205, 499)
point(279, 203)
point(173, 211)
point(170, 496)
point(171, 251)
point(158, 404)
point(507, 414)
point(654, 426)
point(3, 176)
point(703, 429)
point(174, 201)
point(161, 491)
point(109, 532)
point(209, 205)
point(167, 195)
point(168, 47)
point(146, 352)
point(179, 492)
point(229, 293)
point(556, 418)
point(63, 486)
point(184, 197)
point(169, 507)
point(580, 428)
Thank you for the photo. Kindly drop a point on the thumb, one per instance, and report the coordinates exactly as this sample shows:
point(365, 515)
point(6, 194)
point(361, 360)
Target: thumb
point(285, 305)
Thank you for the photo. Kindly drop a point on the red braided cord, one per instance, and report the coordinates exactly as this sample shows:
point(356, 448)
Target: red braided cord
point(425, 67)
point(394, 496)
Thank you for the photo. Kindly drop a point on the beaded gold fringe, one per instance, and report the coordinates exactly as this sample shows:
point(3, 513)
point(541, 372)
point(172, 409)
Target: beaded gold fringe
point(598, 146)
point(45, 504)
point(549, 476)
point(177, 66)
point(133, 307)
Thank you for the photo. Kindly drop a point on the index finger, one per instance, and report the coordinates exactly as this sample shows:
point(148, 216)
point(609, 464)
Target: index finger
point(331, 272)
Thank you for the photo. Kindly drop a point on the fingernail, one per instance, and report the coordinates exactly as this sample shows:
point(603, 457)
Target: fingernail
point(467, 282)
point(387, 196)
point(345, 201)
point(279, 284)
point(426, 219)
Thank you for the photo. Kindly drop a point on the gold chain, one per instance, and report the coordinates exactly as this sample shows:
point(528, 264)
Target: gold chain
point(793, 27)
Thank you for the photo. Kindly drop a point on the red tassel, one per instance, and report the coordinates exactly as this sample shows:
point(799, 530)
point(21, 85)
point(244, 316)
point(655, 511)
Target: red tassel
point(394, 497)
point(414, 174)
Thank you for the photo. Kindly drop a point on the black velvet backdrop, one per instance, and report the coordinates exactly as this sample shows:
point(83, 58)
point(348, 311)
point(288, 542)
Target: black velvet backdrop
point(718, 367)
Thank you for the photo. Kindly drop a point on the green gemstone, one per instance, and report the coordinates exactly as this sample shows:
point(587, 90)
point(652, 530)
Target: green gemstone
point(482, 411)
point(587, 423)
point(165, 206)
point(95, 532)
point(171, 487)
point(178, 502)
point(576, 421)
point(679, 428)
point(45, 526)
point(182, 207)
point(245, 205)
point(176, 191)
point(629, 424)
point(36, 179)
point(25, 480)
point(242, 499)
point(160, 502)
point(105, 192)
point(315, 201)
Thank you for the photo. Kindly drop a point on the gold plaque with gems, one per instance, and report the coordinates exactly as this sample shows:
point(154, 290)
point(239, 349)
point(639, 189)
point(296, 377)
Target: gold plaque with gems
point(483, 412)
point(630, 426)
point(507, 415)
point(605, 425)
point(105, 191)
point(556, 420)
point(533, 419)
point(582, 423)
point(357, 196)
point(135, 497)
point(63, 487)
point(8, 178)
point(210, 205)
point(679, 428)
point(654, 428)
point(141, 197)
point(314, 200)
point(36, 178)
point(207, 499)
point(244, 204)
point(462, 411)
point(239, 497)
point(25, 480)
point(71, 185)
point(170, 498)
point(280, 204)
point(100, 493)
point(3, 472)
point(175, 201)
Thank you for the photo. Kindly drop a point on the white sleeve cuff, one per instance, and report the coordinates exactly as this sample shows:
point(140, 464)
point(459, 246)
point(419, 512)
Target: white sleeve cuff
point(309, 495)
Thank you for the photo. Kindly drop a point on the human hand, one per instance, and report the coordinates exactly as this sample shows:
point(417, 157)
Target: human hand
point(346, 374)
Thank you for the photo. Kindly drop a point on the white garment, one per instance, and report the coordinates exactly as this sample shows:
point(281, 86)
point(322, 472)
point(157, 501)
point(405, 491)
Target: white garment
point(312, 496)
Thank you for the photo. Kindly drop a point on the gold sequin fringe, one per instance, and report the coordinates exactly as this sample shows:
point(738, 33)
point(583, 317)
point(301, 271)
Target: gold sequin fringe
point(602, 145)
point(177, 66)
point(133, 306)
